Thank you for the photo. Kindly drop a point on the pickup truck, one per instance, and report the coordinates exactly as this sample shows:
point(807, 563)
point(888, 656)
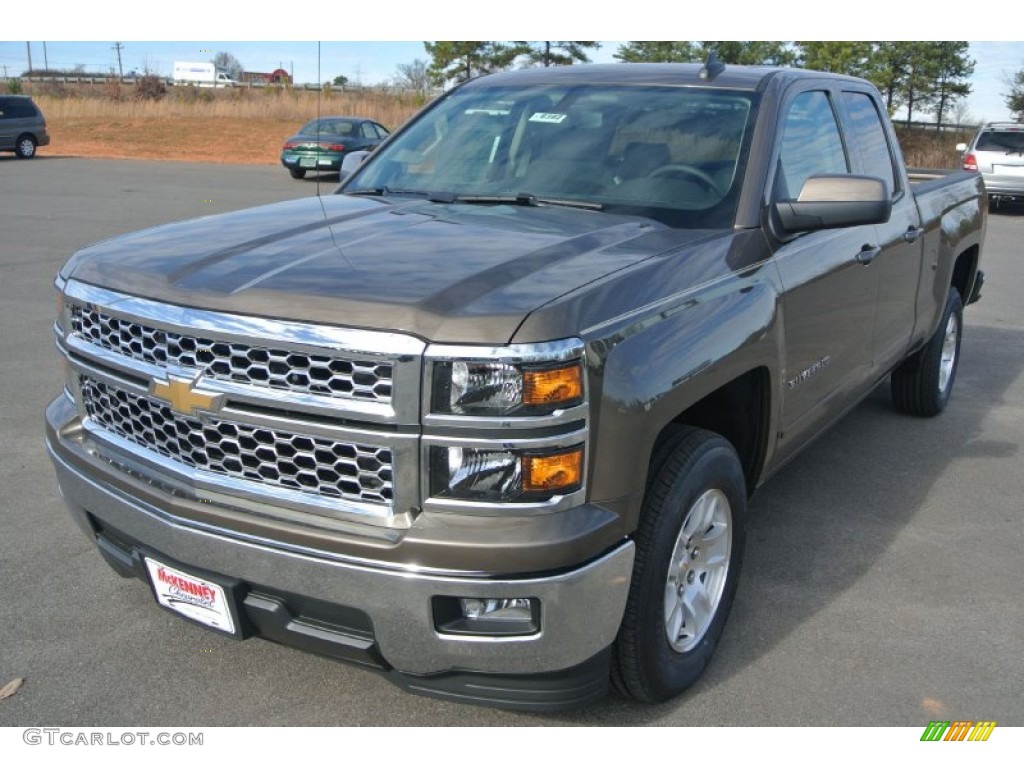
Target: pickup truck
point(487, 419)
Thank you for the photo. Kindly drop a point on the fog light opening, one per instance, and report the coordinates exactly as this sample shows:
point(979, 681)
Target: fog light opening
point(487, 616)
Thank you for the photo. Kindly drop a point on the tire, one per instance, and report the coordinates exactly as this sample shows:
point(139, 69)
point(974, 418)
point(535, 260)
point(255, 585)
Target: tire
point(921, 384)
point(689, 549)
point(297, 173)
point(25, 147)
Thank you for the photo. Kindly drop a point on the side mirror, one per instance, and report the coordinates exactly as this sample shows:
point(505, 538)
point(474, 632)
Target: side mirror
point(351, 161)
point(829, 202)
point(961, 147)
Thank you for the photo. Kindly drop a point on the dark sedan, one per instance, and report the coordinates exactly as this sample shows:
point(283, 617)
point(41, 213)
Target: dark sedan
point(321, 144)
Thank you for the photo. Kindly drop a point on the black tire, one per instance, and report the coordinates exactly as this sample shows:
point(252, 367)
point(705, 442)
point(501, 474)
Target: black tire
point(297, 173)
point(25, 146)
point(691, 469)
point(921, 384)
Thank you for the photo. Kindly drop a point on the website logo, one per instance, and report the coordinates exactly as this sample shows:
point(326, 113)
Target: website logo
point(958, 730)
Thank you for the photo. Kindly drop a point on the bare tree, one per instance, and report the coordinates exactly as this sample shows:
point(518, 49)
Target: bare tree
point(413, 76)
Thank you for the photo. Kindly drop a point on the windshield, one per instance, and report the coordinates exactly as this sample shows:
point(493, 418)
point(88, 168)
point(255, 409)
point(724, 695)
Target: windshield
point(674, 154)
point(1004, 141)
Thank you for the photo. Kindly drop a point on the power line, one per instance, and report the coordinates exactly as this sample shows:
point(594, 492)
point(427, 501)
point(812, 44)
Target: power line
point(117, 47)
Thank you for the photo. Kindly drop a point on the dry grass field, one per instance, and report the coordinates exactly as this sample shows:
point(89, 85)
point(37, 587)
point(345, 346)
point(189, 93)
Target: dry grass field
point(248, 126)
point(198, 124)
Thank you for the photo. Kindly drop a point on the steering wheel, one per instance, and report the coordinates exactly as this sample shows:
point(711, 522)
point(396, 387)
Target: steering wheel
point(688, 170)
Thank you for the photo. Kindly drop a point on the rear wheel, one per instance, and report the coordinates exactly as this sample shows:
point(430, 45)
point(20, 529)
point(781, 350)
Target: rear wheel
point(922, 383)
point(297, 173)
point(25, 147)
point(689, 549)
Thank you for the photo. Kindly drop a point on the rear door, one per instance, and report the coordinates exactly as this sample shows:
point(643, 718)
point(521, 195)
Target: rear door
point(830, 292)
point(901, 238)
point(6, 124)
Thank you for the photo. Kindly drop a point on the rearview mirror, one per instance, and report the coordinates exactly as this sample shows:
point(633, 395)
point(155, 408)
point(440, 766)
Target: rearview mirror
point(828, 202)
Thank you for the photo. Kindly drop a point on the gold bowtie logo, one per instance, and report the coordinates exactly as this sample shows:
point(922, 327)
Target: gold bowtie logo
point(184, 397)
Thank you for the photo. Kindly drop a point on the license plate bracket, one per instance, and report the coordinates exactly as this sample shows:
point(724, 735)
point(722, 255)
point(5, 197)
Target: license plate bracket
point(196, 596)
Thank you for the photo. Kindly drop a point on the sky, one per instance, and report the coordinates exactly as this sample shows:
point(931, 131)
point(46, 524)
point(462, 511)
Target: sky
point(73, 35)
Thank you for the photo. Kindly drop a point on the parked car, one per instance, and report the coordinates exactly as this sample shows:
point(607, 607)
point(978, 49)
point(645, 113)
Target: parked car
point(321, 144)
point(22, 126)
point(997, 152)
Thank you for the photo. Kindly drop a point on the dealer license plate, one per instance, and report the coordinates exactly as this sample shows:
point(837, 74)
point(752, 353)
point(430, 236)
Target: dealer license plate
point(197, 599)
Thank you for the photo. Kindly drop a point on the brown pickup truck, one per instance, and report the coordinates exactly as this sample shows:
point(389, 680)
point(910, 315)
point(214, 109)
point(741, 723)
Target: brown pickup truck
point(487, 419)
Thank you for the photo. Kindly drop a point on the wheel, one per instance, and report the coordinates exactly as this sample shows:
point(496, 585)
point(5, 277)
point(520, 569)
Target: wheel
point(25, 147)
point(921, 384)
point(689, 549)
point(687, 170)
point(297, 173)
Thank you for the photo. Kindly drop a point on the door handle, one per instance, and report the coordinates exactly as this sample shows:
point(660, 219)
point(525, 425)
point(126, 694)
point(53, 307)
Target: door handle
point(867, 254)
point(912, 234)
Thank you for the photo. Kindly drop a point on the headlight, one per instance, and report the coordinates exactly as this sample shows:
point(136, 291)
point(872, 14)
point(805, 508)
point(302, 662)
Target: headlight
point(505, 389)
point(502, 476)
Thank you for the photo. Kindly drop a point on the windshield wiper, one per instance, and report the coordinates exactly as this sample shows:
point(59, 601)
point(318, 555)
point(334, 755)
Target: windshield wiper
point(527, 199)
point(381, 191)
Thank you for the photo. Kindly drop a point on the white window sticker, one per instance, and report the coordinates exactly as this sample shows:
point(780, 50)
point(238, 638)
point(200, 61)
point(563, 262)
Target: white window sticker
point(547, 117)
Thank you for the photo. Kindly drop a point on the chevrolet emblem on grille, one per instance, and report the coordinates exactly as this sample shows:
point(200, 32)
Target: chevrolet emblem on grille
point(184, 397)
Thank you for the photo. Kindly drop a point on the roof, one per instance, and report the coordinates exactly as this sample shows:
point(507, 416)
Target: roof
point(733, 76)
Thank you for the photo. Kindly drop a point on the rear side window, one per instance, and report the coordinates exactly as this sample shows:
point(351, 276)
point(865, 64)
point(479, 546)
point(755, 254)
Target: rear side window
point(17, 108)
point(869, 135)
point(811, 144)
point(1000, 141)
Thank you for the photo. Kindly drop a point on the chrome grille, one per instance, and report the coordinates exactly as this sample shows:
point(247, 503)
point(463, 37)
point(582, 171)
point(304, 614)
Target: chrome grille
point(307, 463)
point(260, 366)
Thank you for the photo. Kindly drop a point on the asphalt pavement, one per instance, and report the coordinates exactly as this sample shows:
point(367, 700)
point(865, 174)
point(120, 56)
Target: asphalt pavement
point(884, 566)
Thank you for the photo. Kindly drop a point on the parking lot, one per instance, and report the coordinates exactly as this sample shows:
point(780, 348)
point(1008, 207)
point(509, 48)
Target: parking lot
point(882, 582)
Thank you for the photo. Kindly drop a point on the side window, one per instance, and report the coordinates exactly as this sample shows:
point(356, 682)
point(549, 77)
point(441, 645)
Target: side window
point(382, 131)
point(811, 144)
point(866, 127)
point(368, 131)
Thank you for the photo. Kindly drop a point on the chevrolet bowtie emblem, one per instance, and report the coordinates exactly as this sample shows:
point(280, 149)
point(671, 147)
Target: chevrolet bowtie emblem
point(183, 395)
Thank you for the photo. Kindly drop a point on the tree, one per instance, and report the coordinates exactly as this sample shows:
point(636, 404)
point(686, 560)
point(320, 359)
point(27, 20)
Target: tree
point(845, 57)
point(728, 51)
point(892, 65)
point(229, 64)
point(953, 68)
point(1015, 96)
point(753, 52)
point(414, 76)
point(339, 80)
point(460, 60)
point(558, 53)
point(657, 51)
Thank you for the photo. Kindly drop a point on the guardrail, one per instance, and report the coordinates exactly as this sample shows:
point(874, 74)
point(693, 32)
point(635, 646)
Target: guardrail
point(171, 83)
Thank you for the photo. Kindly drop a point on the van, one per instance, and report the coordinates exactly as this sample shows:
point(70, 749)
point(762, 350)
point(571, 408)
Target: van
point(22, 126)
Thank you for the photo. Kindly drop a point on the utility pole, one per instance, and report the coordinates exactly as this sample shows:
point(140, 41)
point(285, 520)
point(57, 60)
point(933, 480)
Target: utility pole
point(46, 61)
point(117, 47)
point(28, 47)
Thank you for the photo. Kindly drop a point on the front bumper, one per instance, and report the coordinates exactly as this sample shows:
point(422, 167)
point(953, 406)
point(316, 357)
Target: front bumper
point(386, 619)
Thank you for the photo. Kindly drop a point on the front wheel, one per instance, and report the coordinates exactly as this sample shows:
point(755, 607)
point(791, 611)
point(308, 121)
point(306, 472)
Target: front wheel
point(25, 147)
point(922, 383)
point(689, 548)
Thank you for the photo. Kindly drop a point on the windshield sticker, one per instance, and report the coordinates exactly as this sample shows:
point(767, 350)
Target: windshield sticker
point(547, 117)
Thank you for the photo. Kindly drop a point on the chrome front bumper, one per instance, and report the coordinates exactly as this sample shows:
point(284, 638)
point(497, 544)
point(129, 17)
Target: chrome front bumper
point(581, 608)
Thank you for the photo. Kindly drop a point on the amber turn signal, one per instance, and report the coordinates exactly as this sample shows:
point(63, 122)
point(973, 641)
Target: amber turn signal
point(553, 386)
point(555, 472)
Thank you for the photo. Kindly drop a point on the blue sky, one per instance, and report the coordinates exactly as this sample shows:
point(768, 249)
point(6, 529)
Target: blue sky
point(236, 26)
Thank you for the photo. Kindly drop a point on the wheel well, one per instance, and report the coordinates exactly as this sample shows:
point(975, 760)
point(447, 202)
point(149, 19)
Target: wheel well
point(964, 271)
point(739, 412)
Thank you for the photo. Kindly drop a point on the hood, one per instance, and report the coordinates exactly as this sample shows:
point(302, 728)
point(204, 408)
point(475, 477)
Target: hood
point(443, 272)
